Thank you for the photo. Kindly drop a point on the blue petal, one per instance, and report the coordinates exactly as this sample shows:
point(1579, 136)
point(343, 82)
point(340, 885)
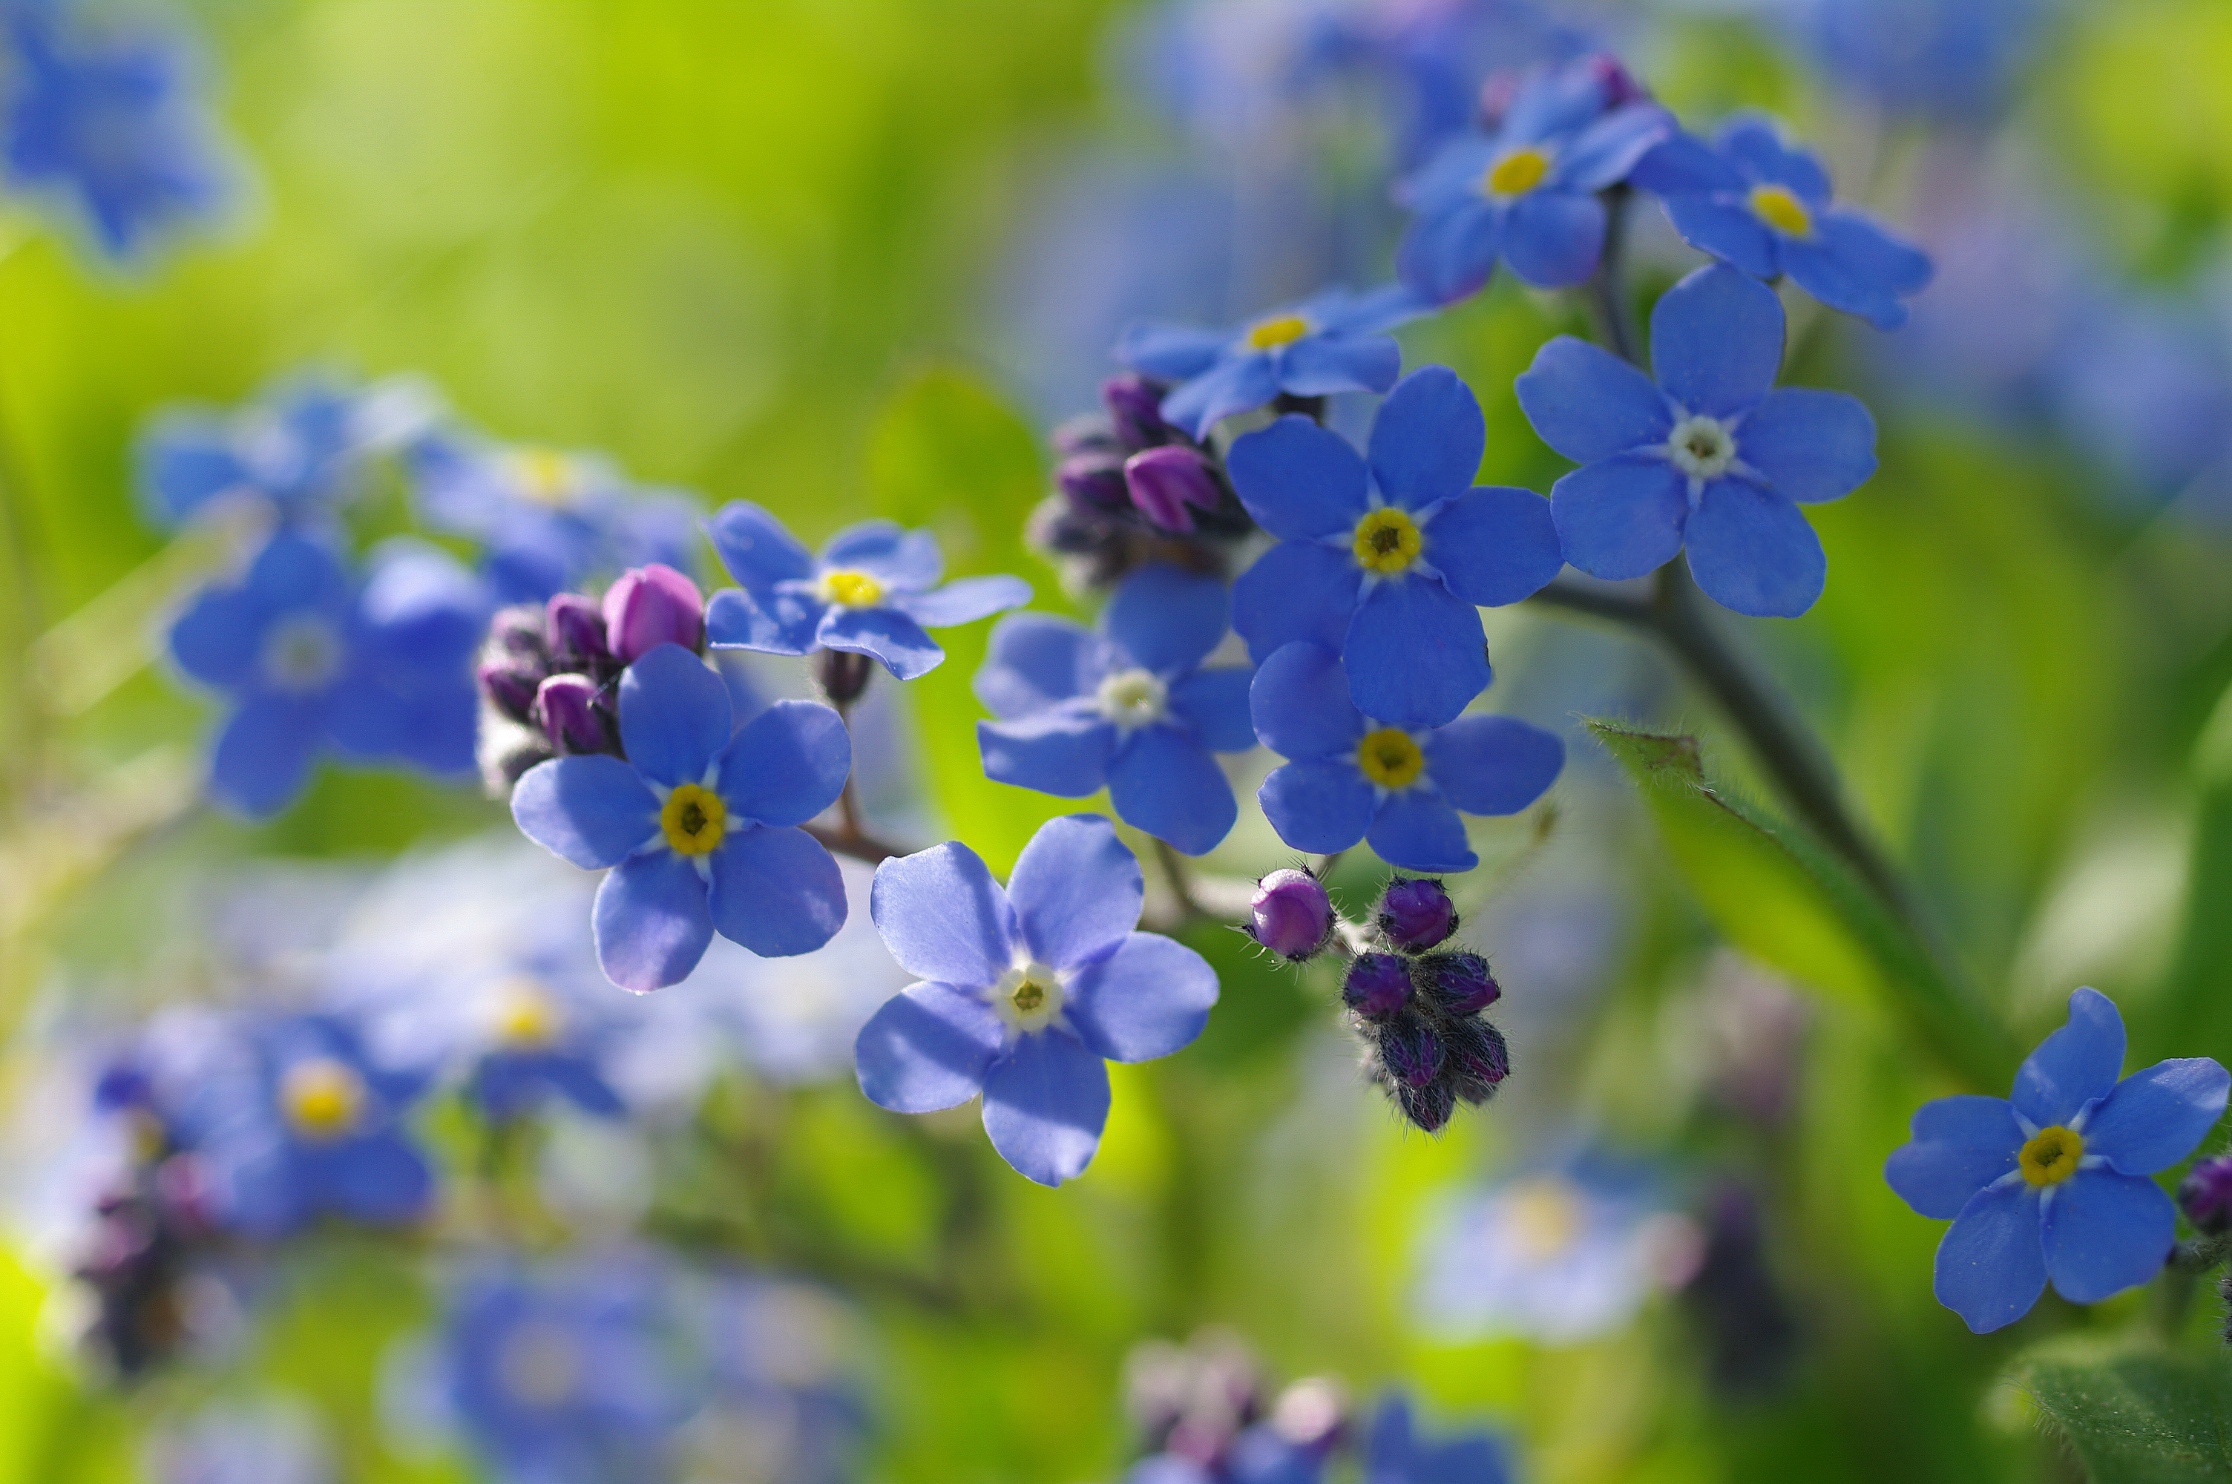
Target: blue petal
point(263, 755)
point(927, 1049)
point(1960, 1145)
point(1495, 545)
point(1751, 550)
point(1493, 764)
point(1064, 753)
point(2075, 1064)
point(1815, 266)
point(1727, 231)
point(964, 600)
point(883, 634)
point(787, 765)
point(783, 624)
point(942, 916)
point(902, 560)
point(1427, 440)
point(1450, 176)
point(1417, 830)
point(1319, 805)
point(1239, 385)
point(1416, 654)
point(1300, 706)
point(1214, 703)
point(2105, 1233)
point(1034, 661)
point(1872, 255)
point(1552, 240)
point(1045, 1104)
point(184, 463)
point(593, 810)
point(777, 891)
point(1556, 101)
point(1448, 253)
point(1682, 165)
point(1375, 311)
point(1077, 891)
point(380, 1179)
point(2154, 1118)
point(1811, 445)
point(1170, 352)
point(1588, 404)
point(1620, 518)
point(756, 548)
point(1323, 364)
point(651, 920)
point(1296, 590)
point(1299, 480)
point(1147, 999)
point(1991, 1266)
point(1167, 620)
point(674, 715)
point(1754, 143)
point(1166, 783)
point(296, 571)
point(1717, 340)
point(1607, 151)
point(219, 638)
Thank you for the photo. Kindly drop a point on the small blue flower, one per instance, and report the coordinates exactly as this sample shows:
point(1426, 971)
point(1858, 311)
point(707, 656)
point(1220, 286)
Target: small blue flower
point(1385, 562)
point(700, 826)
point(1130, 708)
point(267, 1440)
point(299, 449)
point(1711, 457)
point(1027, 991)
point(1957, 59)
point(1526, 194)
point(1397, 1454)
point(783, 1381)
point(1754, 201)
point(1353, 778)
point(1334, 342)
point(873, 590)
point(2055, 1183)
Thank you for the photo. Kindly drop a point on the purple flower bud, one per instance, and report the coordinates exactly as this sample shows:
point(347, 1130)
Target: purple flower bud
point(1458, 982)
point(1094, 481)
point(509, 685)
point(1416, 913)
point(1135, 406)
point(2205, 1195)
point(1620, 85)
point(517, 630)
point(651, 606)
point(1410, 1051)
point(1478, 1059)
point(1165, 481)
point(567, 710)
point(1088, 432)
point(1428, 1107)
point(577, 632)
point(1291, 915)
point(1378, 985)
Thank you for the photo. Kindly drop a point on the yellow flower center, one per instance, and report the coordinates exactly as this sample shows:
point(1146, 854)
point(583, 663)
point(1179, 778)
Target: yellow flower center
point(2052, 1156)
point(544, 475)
point(1278, 330)
point(1779, 208)
point(1387, 541)
point(527, 1017)
point(1028, 996)
point(1543, 1216)
point(694, 820)
point(1517, 173)
point(850, 588)
point(1390, 758)
point(321, 1097)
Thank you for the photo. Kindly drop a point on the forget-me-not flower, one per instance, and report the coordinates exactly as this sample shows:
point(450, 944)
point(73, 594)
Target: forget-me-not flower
point(1129, 708)
point(2056, 1182)
point(1712, 457)
point(1386, 561)
point(700, 827)
point(298, 449)
point(1396, 1452)
point(1026, 992)
point(1752, 200)
point(1957, 59)
point(873, 590)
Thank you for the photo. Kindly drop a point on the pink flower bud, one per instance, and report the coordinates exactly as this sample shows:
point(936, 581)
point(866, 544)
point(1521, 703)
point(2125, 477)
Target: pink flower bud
point(651, 606)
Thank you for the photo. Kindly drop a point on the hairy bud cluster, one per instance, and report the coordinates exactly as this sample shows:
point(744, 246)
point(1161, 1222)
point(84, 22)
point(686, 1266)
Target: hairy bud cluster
point(140, 1254)
point(1419, 1009)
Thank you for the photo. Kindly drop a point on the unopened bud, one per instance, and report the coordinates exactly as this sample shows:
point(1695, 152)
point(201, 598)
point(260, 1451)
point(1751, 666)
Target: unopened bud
point(2205, 1195)
point(1429, 1107)
point(577, 632)
point(1378, 985)
point(1410, 1051)
point(518, 630)
point(567, 709)
point(1291, 915)
point(510, 685)
point(1094, 481)
point(650, 606)
point(1168, 484)
point(1416, 913)
point(1478, 1059)
point(1135, 406)
point(1459, 983)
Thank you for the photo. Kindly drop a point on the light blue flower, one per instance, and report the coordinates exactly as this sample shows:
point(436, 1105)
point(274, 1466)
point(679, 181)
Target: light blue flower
point(299, 448)
point(1129, 708)
point(2055, 1183)
point(1712, 457)
point(269, 1440)
point(1953, 58)
point(1026, 992)
point(1397, 1453)
point(873, 590)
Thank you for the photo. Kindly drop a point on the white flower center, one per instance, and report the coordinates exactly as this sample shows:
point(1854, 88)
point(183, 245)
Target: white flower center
point(1132, 698)
point(1028, 996)
point(301, 652)
point(1701, 447)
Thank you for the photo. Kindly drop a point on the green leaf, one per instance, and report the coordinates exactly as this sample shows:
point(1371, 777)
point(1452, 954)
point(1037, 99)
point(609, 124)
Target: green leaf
point(2136, 1415)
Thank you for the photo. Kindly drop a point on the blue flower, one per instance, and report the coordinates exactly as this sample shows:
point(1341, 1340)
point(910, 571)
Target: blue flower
point(700, 826)
point(1129, 708)
point(783, 1381)
point(380, 672)
point(1526, 194)
point(1259, 1455)
point(1354, 778)
point(1397, 1454)
point(1954, 58)
point(2055, 1183)
point(1026, 991)
point(1333, 342)
point(1751, 200)
point(1386, 562)
point(873, 590)
point(268, 1440)
point(1711, 457)
point(299, 448)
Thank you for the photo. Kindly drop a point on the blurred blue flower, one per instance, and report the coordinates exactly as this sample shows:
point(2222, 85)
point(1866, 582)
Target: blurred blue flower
point(1385, 562)
point(1396, 1453)
point(1259, 1455)
point(873, 590)
point(1956, 59)
point(2142, 382)
point(1335, 341)
point(1354, 778)
point(299, 448)
point(272, 1440)
point(311, 659)
point(699, 822)
point(1129, 708)
point(2056, 1182)
point(1027, 991)
point(1526, 193)
point(1752, 200)
point(783, 1399)
point(1711, 456)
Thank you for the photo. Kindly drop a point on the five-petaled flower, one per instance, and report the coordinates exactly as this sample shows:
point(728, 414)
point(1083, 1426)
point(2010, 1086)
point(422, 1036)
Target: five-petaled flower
point(873, 590)
point(2056, 1182)
point(1334, 341)
point(1385, 561)
point(1129, 708)
point(1713, 456)
point(1754, 201)
point(298, 449)
point(1352, 778)
point(700, 827)
point(1026, 992)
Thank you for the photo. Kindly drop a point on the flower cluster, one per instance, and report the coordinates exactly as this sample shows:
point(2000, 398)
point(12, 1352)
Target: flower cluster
point(1419, 1007)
